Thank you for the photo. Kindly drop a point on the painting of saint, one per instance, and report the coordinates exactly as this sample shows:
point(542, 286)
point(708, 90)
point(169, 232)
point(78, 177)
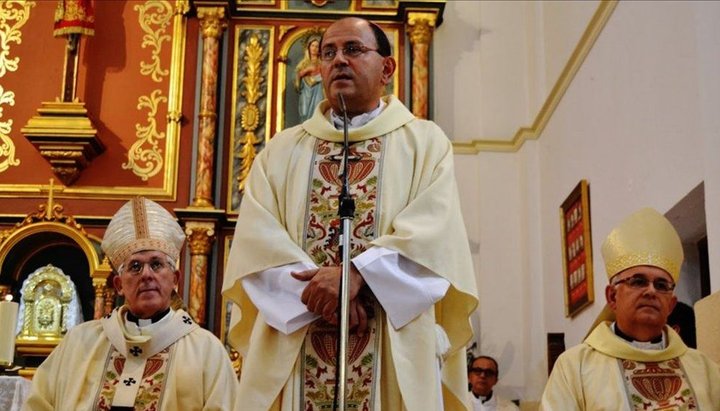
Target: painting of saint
point(301, 83)
point(308, 82)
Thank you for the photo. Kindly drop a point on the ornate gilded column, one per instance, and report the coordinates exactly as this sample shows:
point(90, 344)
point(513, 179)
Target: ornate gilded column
point(420, 26)
point(109, 300)
point(99, 309)
point(200, 238)
point(212, 24)
point(103, 300)
point(200, 217)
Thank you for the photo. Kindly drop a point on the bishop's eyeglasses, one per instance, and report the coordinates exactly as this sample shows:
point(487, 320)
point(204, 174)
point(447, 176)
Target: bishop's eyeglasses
point(136, 267)
point(349, 50)
point(639, 282)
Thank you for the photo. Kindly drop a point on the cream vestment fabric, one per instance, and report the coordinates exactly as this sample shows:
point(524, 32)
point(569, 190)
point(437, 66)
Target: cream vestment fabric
point(199, 375)
point(419, 217)
point(495, 403)
point(590, 375)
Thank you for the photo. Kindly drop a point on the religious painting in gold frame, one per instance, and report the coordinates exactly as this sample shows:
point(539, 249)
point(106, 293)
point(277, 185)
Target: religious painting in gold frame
point(577, 250)
point(264, 95)
point(294, 53)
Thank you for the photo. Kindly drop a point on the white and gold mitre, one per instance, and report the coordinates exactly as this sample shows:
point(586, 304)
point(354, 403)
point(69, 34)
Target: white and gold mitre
point(141, 225)
point(645, 237)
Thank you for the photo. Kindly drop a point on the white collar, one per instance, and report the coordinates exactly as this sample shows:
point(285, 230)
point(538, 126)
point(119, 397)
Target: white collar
point(489, 399)
point(661, 345)
point(145, 327)
point(359, 120)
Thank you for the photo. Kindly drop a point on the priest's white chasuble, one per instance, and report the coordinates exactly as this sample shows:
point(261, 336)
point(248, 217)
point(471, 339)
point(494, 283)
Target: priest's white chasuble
point(402, 180)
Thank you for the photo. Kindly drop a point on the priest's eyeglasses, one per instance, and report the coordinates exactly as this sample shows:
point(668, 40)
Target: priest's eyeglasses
point(350, 50)
point(136, 267)
point(483, 371)
point(639, 282)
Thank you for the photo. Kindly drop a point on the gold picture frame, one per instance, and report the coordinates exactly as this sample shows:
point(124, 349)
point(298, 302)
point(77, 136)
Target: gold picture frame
point(577, 250)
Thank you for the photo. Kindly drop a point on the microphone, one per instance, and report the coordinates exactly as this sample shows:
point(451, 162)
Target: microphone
point(344, 193)
point(346, 211)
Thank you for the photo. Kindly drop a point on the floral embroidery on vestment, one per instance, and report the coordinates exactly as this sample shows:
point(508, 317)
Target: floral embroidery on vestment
point(659, 385)
point(322, 239)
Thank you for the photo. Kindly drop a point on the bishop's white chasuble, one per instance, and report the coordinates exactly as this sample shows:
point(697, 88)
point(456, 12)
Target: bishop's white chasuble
point(607, 373)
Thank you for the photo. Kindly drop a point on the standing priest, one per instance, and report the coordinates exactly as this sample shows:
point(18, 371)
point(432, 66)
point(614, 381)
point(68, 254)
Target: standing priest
point(145, 356)
point(412, 286)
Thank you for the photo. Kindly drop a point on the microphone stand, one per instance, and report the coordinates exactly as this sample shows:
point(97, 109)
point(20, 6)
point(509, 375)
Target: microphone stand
point(346, 211)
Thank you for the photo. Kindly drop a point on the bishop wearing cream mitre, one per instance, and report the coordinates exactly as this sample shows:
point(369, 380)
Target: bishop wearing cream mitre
point(636, 362)
point(145, 355)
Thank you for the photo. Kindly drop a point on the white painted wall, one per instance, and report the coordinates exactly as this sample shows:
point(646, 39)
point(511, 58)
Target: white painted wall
point(640, 122)
point(707, 32)
point(495, 62)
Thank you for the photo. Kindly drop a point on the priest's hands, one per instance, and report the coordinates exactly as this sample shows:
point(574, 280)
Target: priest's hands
point(321, 295)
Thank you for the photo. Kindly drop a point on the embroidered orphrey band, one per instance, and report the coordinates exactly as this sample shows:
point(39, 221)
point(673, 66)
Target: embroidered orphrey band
point(140, 218)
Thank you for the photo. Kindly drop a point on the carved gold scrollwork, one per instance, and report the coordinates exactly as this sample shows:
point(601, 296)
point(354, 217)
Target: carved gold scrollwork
point(53, 213)
point(145, 156)
point(250, 125)
point(174, 116)
point(182, 7)
point(145, 161)
point(109, 298)
point(60, 153)
point(99, 306)
point(155, 17)
point(7, 148)
point(212, 21)
point(420, 27)
point(250, 114)
point(284, 30)
point(13, 15)
point(200, 237)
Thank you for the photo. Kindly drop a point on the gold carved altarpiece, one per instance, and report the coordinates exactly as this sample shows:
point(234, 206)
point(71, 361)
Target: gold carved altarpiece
point(268, 38)
point(263, 42)
point(47, 293)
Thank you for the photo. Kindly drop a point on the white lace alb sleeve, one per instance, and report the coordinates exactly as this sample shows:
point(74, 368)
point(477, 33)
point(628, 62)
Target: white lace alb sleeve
point(404, 288)
point(276, 294)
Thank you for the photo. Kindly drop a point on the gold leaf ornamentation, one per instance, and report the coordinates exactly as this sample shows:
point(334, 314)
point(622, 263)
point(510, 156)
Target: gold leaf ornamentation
point(253, 55)
point(284, 30)
point(252, 74)
point(7, 148)
point(182, 7)
point(145, 157)
point(49, 211)
point(13, 15)
point(155, 18)
point(250, 115)
point(146, 161)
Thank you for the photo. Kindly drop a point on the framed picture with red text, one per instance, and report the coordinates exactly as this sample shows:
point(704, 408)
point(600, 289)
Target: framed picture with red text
point(577, 249)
